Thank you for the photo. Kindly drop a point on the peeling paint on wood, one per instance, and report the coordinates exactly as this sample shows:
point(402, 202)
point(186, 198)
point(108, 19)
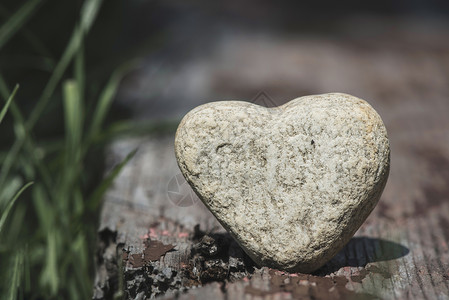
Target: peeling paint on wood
point(400, 252)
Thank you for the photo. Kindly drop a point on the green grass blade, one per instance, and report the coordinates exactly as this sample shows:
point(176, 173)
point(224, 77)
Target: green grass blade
point(106, 97)
point(17, 269)
point(98, 193)
point(32, 39)
point(8, 102)
point(79, 254)
point(133, 128)
point(41, 206)
point(27, 271)
point(8, 208)
point(80, 72)
point(22, 139)
point(88, 13)
point(55, 78)
point(10, 160)
point(13, 152)
point(73, 114)
point(50, 274)
point(4, 92)
point(17, 20)
point(14, 183)
point(104, 103)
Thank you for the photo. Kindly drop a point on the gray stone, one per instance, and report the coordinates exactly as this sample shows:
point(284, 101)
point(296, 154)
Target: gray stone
point(291, 184)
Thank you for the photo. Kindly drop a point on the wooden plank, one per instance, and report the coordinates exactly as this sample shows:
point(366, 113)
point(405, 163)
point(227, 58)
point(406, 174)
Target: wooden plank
point(400, 252)
point(392, 256)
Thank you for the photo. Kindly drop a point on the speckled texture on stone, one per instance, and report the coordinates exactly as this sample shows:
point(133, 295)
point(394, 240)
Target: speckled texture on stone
point(291, 184)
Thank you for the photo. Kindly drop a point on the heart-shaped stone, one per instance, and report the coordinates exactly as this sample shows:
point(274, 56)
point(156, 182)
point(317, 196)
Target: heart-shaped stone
point(291, 184)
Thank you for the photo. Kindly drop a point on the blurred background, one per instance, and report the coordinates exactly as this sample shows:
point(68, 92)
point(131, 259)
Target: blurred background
point(92, 70)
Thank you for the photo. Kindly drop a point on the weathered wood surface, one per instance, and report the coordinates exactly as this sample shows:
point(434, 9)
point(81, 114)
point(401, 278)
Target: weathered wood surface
point(400, 252)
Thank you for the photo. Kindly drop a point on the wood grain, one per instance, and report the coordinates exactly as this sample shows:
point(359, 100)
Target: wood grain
point(400, 252)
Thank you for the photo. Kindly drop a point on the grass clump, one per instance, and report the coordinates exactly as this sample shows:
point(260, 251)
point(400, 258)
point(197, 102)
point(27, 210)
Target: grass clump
point(48, 203)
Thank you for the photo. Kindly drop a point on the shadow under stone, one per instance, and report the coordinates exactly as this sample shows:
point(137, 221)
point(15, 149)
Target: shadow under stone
point(363, 250)
point(221, 249)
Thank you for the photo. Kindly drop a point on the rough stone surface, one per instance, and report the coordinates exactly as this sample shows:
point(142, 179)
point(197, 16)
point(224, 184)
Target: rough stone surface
point(291, 184)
